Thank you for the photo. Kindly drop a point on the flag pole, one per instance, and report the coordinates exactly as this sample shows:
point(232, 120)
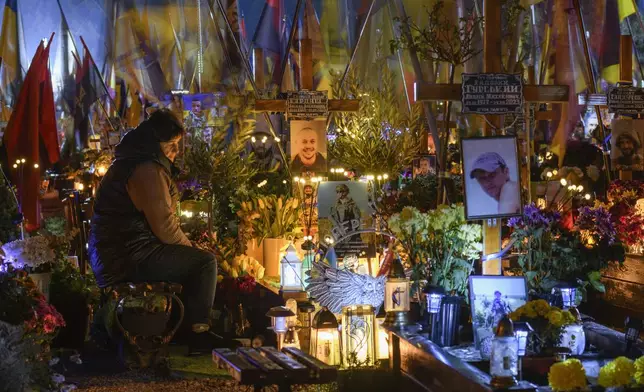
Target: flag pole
point(229, 61)
point(106, 90)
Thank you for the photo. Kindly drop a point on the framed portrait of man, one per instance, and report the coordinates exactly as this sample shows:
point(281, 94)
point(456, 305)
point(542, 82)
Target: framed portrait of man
point(491, 177)
point(308, 147)
point(627, 150)
point(424, 165)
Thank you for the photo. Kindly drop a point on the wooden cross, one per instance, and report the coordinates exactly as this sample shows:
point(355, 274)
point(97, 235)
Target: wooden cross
point(531, 93)
point(306, 83)
point(625, 76)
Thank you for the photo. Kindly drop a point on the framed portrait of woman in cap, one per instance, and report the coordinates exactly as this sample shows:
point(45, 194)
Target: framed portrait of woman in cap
point(491, 180)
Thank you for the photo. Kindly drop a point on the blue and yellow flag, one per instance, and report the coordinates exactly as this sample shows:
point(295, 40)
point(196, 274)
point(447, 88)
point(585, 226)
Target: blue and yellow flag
point(10, 65)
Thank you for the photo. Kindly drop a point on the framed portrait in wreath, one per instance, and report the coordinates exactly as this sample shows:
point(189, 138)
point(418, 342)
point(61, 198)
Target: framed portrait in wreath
point(491, 298)
point(491, 180)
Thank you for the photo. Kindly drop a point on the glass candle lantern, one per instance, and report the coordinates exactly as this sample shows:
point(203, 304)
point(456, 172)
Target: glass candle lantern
point(397, 288)
point(291, 277)
point(325, 338)
point(358, 336)
point(504, 358)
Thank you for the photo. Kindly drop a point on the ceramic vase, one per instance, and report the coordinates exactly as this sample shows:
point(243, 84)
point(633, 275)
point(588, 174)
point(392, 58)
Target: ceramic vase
point(574, 338)
point(273, 248)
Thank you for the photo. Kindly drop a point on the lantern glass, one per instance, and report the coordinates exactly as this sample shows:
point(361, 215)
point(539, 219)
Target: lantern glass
point(325, 345)
point(358, 336)
point(397, 295)
point(279, 324)
point(382, 341)
point(504, 359)
point(434, 302)
point(291, 273)
point(569, 297)
point(522, 339)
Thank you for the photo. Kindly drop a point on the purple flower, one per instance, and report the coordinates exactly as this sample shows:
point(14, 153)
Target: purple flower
point(534, 217)
point(598, 221)
point(189, 184)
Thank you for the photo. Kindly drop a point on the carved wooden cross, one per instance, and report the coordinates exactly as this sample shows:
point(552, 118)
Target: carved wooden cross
point(625, 76)
point(531, 93)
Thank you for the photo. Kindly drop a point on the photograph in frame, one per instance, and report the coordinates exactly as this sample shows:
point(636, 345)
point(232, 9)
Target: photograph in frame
point(627, 144)
point(491, 177)
point(424, 165)
point(343, 208)
point(308, 147)
point(491, 298)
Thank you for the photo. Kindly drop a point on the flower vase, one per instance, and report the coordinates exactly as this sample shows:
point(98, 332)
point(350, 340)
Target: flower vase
point(273, 248)
point(42, 281)
point(574, 338)
point(255, 249)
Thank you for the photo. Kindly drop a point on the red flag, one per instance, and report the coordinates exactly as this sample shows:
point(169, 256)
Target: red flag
point(31, 135)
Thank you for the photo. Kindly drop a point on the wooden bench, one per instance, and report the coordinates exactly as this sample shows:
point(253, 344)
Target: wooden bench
point(267, 366)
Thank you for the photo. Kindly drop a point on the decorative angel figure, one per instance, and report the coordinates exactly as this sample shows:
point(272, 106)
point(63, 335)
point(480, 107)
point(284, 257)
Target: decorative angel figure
point(336, 288)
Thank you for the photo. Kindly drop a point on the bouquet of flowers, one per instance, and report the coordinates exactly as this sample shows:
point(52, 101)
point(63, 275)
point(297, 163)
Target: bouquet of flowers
point(241, 266)
point(33, 253)
point(550, 252)
point(440, 245)
point(547, 321)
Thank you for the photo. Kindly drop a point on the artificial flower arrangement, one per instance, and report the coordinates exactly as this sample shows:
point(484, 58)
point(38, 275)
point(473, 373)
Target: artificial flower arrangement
point(547, 321)
point(272, 217)
point(624, 373)
point(439, 246)
point(550, 251)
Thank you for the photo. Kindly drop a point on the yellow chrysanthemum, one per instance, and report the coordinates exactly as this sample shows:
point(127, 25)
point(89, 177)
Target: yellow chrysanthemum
point(624, 370)
point(529, 312)
point(568, 318)
point(516, 315)
point(555, 318)
point(567, 376)
point(616, 373)
point(639, 370)
point(541, 307)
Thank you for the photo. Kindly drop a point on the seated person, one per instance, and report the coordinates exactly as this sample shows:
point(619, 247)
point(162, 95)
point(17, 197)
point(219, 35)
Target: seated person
point(135, 233)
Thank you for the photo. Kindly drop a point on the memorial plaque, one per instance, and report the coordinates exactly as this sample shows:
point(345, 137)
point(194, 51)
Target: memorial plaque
point(492, 93)
point(626, 100)
point(307, 105)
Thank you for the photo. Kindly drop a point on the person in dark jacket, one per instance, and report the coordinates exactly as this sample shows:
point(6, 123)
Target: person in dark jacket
point(135, 232)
